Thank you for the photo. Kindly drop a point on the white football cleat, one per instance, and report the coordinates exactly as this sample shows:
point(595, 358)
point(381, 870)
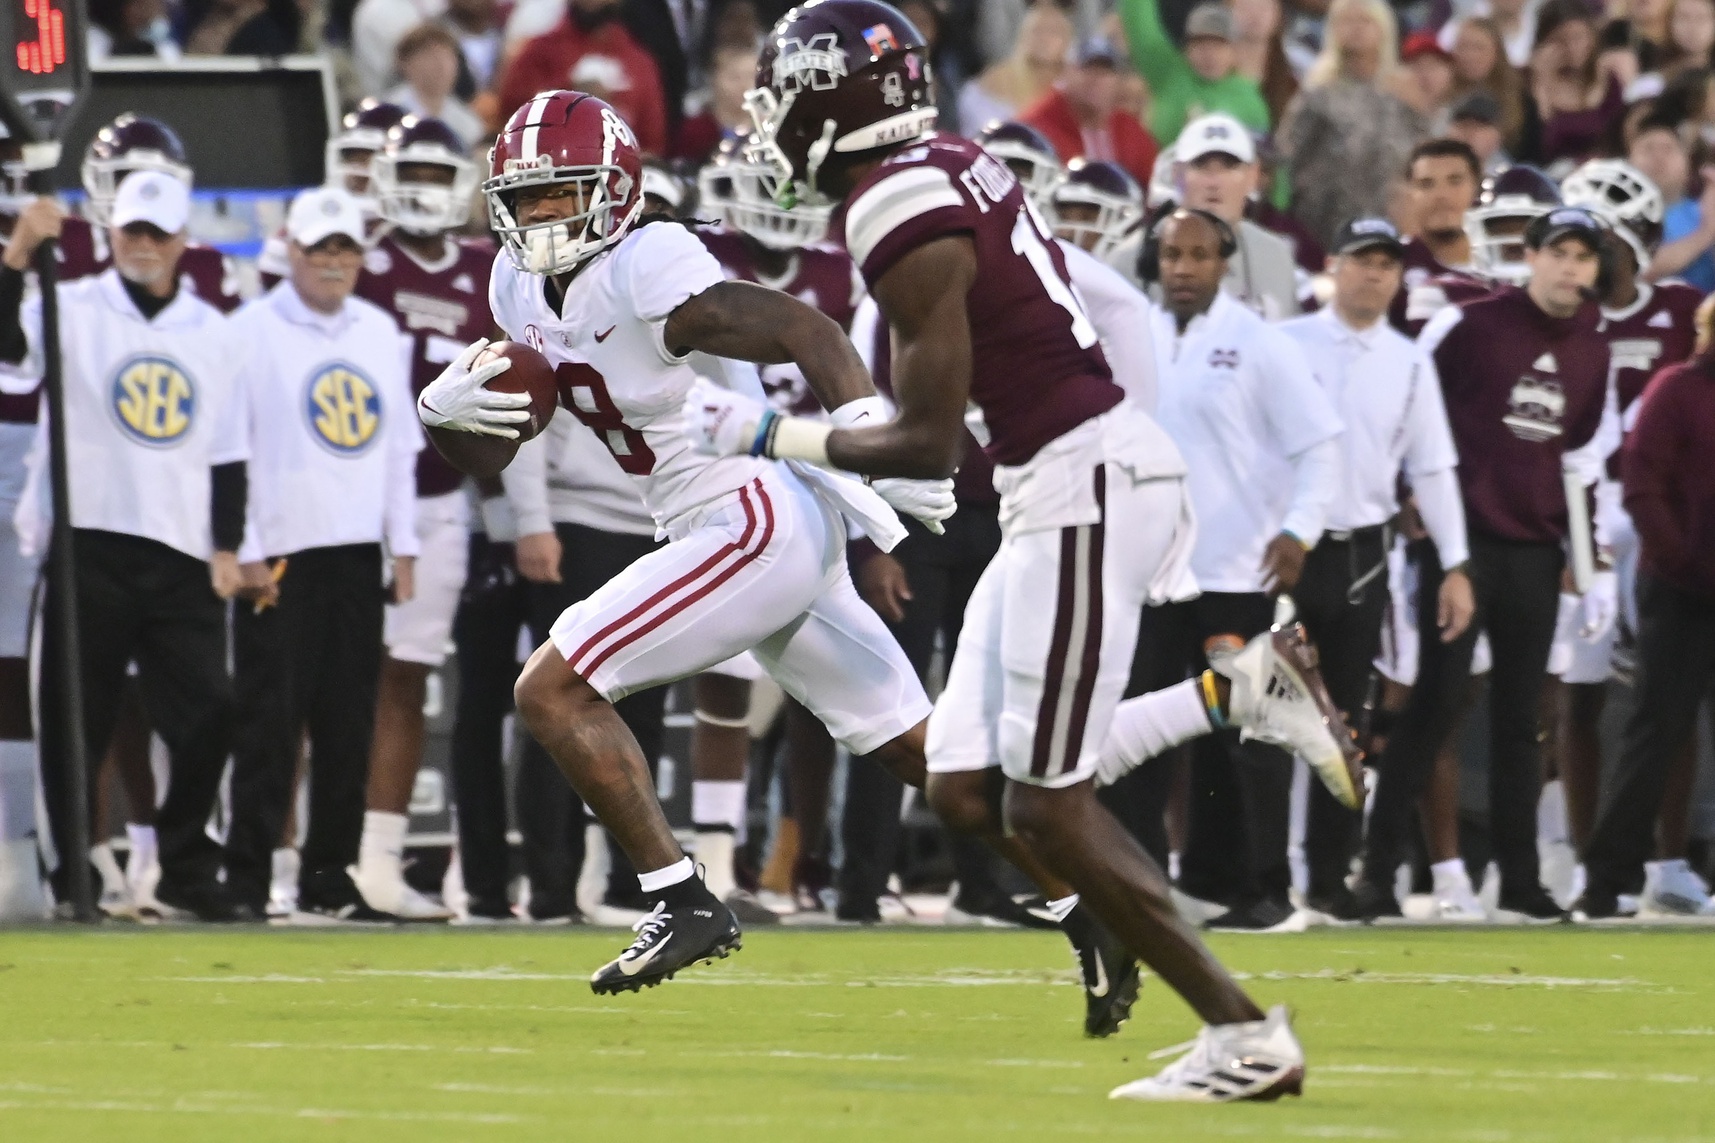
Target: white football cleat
point(142, 875)
point(1278, 697)
point(1673, 889)
point(1457, 905)
point(115, 899)
point(383, 887)
point(283, 883)
point(1259, 1060)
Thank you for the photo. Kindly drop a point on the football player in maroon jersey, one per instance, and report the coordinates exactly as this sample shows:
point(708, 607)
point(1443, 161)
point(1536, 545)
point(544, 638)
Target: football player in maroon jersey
point(982, 310)
point(434, 283)
point(1442, 178)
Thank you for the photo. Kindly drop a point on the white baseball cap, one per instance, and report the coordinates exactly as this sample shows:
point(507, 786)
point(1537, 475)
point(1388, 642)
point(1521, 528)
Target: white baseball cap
point(323, 211)
point(1215, 135)
point(601, 71)
point(154, 197)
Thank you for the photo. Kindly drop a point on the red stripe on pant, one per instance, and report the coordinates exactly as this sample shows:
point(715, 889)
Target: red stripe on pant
point(1042, 762)
point(675, 597)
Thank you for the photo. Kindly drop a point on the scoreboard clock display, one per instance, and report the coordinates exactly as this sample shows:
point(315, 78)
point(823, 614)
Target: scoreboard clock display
point(44, 64)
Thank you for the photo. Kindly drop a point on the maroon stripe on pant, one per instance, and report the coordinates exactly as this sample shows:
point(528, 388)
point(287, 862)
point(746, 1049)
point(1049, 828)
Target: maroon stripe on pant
point(1049, 706)
point(1091, 663)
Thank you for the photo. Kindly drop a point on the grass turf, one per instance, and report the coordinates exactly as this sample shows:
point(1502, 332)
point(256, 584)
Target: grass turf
point(190, 1034)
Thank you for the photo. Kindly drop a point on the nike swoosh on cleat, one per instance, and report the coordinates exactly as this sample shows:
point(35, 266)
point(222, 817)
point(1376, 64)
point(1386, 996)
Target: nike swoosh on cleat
point(1100, 988)
point(638, 964)
point(603, 336)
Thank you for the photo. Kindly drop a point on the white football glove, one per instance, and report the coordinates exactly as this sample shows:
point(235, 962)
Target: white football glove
point(720, 422)
point(458, 400)
point(1601, 606)
point(930, 501)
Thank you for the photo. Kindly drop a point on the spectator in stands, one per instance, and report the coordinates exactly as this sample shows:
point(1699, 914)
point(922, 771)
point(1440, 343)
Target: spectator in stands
point(476, 23)
point(377, 27)
point(1202, 79)
point(1476, 122)
point(1645, 27)
point(1480, 65)
point(1514, 20)
point(243, 27)
point(1690, 37)
point(1260, 54)
point(592, 43)
point(1688, 228)
point(130, 28)
point(1430, 67)
point(998, 24)
point(946, 75)
point(675, 32)
point(1348, 136)
point(1577, 91)
point(428, 58)
point(1038, 60)
point(1081, 117)
point(731, 73)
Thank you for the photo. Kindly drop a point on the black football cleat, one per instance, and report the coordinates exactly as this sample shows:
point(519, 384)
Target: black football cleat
point(1110, 972)
point(693, 926)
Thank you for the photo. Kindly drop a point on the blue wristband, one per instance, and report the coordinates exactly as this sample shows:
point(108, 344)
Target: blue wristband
point(759, 446)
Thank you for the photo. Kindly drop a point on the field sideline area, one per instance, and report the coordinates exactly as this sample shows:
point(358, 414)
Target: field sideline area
point(1491, 1036)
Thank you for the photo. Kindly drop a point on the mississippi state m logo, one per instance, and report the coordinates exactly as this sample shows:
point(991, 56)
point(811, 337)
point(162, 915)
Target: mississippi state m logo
point(817, 65)
point(154, 401)
point(1535, 408)
point(1223, 359)
point(344, 409)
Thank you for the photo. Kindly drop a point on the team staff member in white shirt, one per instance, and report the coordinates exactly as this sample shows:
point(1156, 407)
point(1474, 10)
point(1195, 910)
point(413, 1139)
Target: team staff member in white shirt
point(1386, 390)
point(326, 378)
point(1259, 440)
point(156, 448)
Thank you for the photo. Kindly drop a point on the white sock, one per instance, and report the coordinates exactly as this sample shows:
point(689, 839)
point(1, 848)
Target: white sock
point(1062, 907)
point(143, 844)
point(717, 804)
point(17, 789)
point(658, 879)
point(712, 849)
point(1149, 725)
point(1450, 874)
point(383, 834)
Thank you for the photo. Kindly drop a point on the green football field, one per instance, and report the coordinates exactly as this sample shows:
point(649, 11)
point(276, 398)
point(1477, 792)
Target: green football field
point(1489, 1036)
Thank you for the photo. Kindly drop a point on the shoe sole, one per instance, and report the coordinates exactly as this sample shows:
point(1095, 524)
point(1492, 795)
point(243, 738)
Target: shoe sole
point(638, 983)
point(1117, 1007)
point(1292, 1083)
point(1345, 779)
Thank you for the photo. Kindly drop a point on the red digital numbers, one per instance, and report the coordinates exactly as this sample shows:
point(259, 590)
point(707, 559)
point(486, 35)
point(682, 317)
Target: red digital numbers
point(584, 392)
point(47, 51)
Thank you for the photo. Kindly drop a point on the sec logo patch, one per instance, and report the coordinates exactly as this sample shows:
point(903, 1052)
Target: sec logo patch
point(344, 409)
point(154, 401)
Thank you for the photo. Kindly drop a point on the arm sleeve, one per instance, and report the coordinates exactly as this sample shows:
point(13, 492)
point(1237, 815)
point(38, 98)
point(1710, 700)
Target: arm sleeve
point(1430, 448)
point(1120, 313)
point(23, 373)
point(403, 444)
point(1590, 460)
point(1442, 507)
point(14, 345)
point(1155, 55)
point(526, 483)
point(1315, 477)
point(230, 484)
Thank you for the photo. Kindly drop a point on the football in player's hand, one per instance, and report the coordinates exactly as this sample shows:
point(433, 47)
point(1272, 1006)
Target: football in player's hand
point(485, 456)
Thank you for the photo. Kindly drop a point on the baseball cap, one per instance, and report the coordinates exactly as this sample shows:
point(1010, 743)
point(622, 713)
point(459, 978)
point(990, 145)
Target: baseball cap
point(323, 211)
point(154, 197)
point(1369, 234)
point(1478, 107)
point(1216, 134)
point(1565, 222)
point(1209, 22)
point(1424, 43)
point(1098, 50)
point(605, 72)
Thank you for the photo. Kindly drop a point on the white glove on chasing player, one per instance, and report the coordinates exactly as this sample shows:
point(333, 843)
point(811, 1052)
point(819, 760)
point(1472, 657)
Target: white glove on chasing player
point(458, 399)
point(1601, 606)
point(720, 422)
point(930, 501)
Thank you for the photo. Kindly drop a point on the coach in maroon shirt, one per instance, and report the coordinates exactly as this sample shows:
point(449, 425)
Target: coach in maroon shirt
point(1670, 492)
point(1524, 374)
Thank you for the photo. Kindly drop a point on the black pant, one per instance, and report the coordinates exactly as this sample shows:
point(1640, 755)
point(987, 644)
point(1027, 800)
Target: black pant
point(1241, 792)
point(550, 813)
point(942, 571)
point(494, 605)
point(308, 664)
point(1342, 599)
point(141, 600)
point(1517, 587)
point(1676, 664)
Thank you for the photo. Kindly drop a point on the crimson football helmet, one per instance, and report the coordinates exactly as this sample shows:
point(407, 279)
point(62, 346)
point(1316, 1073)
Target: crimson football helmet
point(129, 143)
point(409, 201)
point(836, 77)
point(564, 137)
point(1095, 206)
point(350, 153)
point(1027, 153)
point(1625, 197)
point(1495, 226)
point(736, 187)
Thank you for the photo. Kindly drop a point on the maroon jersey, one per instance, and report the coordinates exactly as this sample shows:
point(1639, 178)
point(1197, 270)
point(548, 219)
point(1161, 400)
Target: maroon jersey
point(1655, 332)
point(1037, 369)
point(443, 307)
point(1430, 287)
point(1670, 484)
point(1522, 388)
point(820, 276)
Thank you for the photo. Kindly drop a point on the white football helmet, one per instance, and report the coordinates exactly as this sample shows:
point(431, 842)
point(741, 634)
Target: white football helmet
point(412, 204)
point(1623, 195)
point(1109, 189)
point(736, 189)
point(1497, 223)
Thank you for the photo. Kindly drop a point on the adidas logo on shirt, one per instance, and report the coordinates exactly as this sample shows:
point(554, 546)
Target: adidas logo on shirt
point(1545, 364)
point(1662, 320)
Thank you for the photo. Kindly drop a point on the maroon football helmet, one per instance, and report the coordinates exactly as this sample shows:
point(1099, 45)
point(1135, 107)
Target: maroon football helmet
point(362, 133)
point(564, 137)
point(412, 202)
point(836, 77)
point(1027, 154)
point(129, 143)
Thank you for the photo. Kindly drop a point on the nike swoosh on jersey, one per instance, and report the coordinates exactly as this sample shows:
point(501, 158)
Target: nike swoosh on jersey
point(603, 336)
point(638, 964)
